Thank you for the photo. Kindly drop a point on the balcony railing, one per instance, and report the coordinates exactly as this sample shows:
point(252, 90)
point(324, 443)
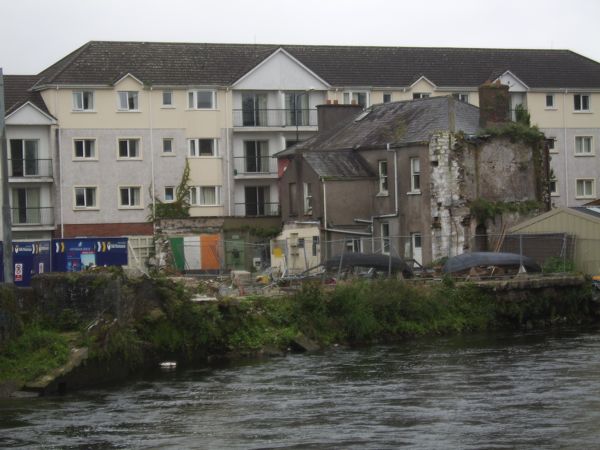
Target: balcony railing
point(274, 118)
point(32, 216)
point(254, 165)
point(250, 209)
point(29, 168)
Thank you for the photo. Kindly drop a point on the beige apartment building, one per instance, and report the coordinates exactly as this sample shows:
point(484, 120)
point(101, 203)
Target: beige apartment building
point(126, 118)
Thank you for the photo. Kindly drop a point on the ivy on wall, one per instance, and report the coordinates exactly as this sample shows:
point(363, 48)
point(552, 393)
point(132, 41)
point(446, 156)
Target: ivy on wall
point(179, 208)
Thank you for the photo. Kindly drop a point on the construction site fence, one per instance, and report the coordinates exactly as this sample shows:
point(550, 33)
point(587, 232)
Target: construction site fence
point(294, 255)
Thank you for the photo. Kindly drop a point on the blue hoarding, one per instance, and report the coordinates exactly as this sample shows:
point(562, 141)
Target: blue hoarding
point(74, 255)
point(29, 258)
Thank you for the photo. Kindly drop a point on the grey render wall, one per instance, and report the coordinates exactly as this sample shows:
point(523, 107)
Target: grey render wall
point(107, 173)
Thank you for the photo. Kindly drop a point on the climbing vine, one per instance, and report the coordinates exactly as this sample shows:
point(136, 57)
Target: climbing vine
point(179, 208)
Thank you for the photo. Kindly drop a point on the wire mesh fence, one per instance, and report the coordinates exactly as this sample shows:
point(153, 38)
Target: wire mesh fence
point(554, 252)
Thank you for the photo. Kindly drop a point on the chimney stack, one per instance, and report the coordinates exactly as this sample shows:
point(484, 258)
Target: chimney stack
point(330, 115)
point(494, 104)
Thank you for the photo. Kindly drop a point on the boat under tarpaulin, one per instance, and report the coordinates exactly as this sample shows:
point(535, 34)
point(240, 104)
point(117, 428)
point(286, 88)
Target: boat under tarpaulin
point(468, 261)
point(379, 262)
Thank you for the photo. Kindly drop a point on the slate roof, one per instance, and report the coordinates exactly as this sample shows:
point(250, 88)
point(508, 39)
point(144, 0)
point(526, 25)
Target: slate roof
point(102, 62)
point(398, 124)
point(339, 164)
point(592, 211)
point(16, 93)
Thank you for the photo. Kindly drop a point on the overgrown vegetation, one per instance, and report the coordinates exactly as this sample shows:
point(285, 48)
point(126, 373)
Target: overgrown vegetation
point(179, 208)
point(483, 209)
point(517, 132)
point(556, 264)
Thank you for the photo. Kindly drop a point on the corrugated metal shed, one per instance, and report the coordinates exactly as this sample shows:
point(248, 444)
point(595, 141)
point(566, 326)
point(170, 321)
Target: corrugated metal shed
point(583, 226)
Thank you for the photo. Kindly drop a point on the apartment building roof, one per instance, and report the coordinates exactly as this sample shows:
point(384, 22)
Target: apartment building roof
point(158, 63)
point(396, 123)
point(16, 93)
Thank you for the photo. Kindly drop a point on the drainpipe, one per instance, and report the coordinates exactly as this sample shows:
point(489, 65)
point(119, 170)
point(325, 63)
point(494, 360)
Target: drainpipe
point(60, 169)
point(228, 151)
point(565, 148)
point(153, 181)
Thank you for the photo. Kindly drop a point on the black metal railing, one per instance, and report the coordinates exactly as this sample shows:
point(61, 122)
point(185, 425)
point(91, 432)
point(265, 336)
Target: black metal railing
point(254, 165)
point(29, 168)
point(33, 216)
point(274, 117)
point(254, 209)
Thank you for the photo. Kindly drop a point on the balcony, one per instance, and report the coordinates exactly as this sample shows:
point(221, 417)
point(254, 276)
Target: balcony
point(254, 167)
point(274, 118)
point(43, 216)
point(250, 209)
point(20, 170)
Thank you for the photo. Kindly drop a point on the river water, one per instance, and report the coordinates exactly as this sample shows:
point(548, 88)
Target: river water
point(525, 390)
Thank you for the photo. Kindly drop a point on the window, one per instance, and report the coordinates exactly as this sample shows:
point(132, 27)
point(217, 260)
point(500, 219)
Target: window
point(128, 100)
point(356, 98)
point(418, 95)
point(292, 199)
point(315, 243)
point(25, 206)
point(550, 101)
point(551, 144)
point(353, 245)
point(256, 156)
point(387, 98)
point(201, 100)
point(85, 197)
point(205, 195)
point(308, 198)
point(385, 238)
point(167, 98)
point(553, 187)
point(415, 175)
point(169, 194)
point(24, 158)
point(586, 188)
point(416, 247)
point(583, 145)
point(167, 145)
point(83, 100)
point(581, 102)
point(129, 149)
point(202, 147)
point(130, 197)
point(460, 97)
point(84, 148)
point(383, 178)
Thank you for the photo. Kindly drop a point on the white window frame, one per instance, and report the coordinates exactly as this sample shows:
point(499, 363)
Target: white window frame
point(348, 97)
point(308, 198)
point(128, 96)
point(383, 178)
point(79, 103)
point(131, 189)
point(461, 97)
point(592, 194)
point(419, 95)
point(94, 154)
point(553, 148)
point(579, 148)
point(128, 157)
point(354, 245)
point(581, 103)
point(192, 99)
point(553, 105)
point(173, 194)
point(194, 148)
point(384, 229)
point(196, 196)
point(171, 152)
point(86, 206)
point(553, 192)
point(415, 174)
point(170, 94)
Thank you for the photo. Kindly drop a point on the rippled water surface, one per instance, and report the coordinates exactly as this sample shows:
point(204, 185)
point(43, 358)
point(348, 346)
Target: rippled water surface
point(535, 390)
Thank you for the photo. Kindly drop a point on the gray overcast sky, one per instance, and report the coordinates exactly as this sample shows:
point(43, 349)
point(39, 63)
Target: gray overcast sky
point(35, 34)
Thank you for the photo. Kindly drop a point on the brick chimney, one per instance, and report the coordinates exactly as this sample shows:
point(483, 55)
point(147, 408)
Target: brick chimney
point(330, 115)
point(494, 104)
